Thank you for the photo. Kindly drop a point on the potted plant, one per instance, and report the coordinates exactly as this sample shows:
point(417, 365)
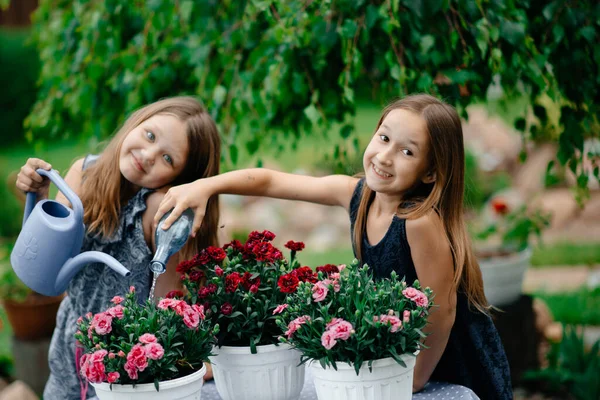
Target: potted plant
point(31, 315)
point(503, 247)
point(361, 336)
point(145, 351)
point(240, 286)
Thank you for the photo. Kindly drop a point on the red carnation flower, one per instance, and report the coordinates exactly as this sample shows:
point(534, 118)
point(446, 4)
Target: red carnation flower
point(264, 251)
point(305, 274)
point(184, 266)
point(234, 244)
point(226, 309)
point(294, 246)
point(216, 253)
point(232, 281)
point(265, 236)
point(203, 292)
point(201, 258)
point(173, 294)
point(328, 269)
point(211, 287)
point(500, 206)
point(247, 283)
point(196, 275)
point(288, 283)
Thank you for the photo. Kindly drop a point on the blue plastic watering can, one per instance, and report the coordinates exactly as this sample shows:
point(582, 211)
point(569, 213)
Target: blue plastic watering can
point(46, 254)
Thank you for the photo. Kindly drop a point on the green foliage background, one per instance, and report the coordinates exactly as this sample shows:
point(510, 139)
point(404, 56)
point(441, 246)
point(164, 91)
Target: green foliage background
point(278, 68)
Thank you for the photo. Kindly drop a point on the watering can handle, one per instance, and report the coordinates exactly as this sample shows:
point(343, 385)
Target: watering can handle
point(55, 177)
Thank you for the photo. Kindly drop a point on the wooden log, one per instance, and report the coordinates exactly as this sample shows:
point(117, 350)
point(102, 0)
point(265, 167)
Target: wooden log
point(516, 325)
point(31, 362)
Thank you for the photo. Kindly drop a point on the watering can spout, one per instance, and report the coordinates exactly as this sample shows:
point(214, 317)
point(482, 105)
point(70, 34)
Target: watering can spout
point(75, 264)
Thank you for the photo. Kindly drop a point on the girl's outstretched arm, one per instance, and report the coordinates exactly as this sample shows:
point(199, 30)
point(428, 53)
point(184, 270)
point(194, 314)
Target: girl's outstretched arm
point(333, 190)
point(433, 261)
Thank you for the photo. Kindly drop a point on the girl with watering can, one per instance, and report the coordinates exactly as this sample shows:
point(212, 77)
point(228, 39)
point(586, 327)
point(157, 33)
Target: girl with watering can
point(169, 142)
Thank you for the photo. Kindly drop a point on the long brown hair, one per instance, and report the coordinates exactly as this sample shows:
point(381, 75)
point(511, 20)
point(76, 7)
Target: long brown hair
point(444, 195)
point(104, 190)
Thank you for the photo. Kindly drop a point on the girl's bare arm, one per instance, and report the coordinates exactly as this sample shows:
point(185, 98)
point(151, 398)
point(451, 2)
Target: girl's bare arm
point(433, 261)
point(329, 190)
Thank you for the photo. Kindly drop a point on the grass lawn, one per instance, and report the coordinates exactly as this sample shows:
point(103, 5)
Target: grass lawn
point(581, 307)
point(566, 253)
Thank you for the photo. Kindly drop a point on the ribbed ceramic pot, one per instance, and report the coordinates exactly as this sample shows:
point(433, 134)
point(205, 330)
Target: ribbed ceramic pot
point(271, 374)
point(387, 380)
point(188, 387)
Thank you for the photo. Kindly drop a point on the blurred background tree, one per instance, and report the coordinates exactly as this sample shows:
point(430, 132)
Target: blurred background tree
point(276, 69)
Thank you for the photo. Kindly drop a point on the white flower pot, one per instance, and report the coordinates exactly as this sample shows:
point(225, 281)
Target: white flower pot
point(271, 374)
point(388, 380)
point(188, 387)
point(503, 276)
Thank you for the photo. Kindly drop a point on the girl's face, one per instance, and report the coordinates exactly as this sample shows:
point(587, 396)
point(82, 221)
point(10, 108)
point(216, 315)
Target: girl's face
point(397, 158)
point(155, 152)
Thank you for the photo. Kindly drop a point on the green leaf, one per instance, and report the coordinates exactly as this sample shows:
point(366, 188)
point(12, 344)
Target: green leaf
point(252, 146)
point(427, 41)
point(219, 95)
point(540, 113)
point(235, 314)
point(372, 16)
point(589, 33)
point(186, 9)
point(348, 29)
point(346, 131)
point(520, 124)
point(312, 114)
point(513, 32)
point(233, 153)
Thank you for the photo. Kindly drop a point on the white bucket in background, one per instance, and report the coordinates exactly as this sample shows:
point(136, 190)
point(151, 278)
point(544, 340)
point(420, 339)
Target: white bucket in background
point(388, 381)
point(503, 276)
point(188, 387)
point(271, 374)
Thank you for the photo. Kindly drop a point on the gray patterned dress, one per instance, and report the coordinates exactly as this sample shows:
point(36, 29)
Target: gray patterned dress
point(92, 289)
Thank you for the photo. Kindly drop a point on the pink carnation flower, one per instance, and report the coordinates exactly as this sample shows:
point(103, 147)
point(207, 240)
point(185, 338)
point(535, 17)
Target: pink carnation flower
point(392, 321)
point(294, 325)
point(340, 328)
point(191, 318)
point(279, 309)
point(117, 300)
point(320, 291)
point(199, 310)
point(131, 370)
point(102, 323)
point(147, 338)
point(116, 311)
point(112, 377)
point(328, 339)
point(154, 351)
point(406, 316)
point(137, 357)
point(165, 304)
point(416, 295)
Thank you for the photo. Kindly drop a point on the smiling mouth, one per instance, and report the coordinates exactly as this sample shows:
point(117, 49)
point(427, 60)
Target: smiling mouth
point(380, 173)
point(137, 164)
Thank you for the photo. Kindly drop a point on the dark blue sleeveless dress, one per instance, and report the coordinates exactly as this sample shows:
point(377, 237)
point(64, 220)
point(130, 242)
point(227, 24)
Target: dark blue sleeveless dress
point(474, 356)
